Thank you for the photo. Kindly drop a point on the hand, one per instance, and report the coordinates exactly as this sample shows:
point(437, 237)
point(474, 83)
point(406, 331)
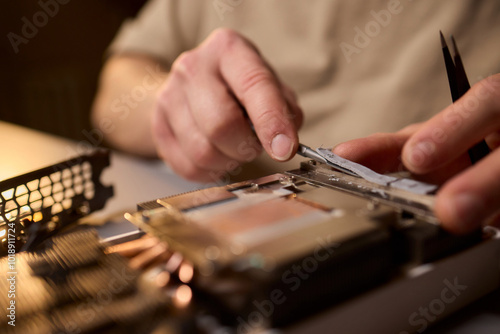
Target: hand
point(436, 151)
point(199, 123)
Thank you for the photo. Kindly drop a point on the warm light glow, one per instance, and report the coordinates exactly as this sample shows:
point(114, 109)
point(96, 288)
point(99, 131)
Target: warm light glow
point(183, 296)
point(37, 216)
point(8, 194)
point(3, 233)
point(25, 209)
point(186, 273)
point(162, 279)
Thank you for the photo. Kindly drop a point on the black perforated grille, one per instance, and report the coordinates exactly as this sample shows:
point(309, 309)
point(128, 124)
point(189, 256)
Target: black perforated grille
point(42, 201)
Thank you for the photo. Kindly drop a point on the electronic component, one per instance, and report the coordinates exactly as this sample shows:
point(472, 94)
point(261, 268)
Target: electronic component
point(72, 285)
point(306, 249)
point(297, 242)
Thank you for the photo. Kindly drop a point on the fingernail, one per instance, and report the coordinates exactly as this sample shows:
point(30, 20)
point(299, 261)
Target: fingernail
point(281, 147)
point(465, 211)
point(420, 154)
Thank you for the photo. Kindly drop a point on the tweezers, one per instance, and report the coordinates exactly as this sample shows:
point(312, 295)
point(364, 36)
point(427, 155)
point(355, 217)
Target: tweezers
point(459, 85)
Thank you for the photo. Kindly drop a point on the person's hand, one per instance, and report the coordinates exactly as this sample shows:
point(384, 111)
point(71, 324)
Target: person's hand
point(201, 122)
point(436, 151)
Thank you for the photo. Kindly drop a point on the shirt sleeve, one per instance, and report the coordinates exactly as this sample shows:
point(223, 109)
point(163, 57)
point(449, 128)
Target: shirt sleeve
point(162, 29)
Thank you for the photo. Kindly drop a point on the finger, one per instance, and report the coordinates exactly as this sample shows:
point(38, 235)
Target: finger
point(467, 200)
point(295, 110)
point(193, 143)
point(493, 140)
point(218, 116)
point(259, 92)
point(380, 152)
point(174, 156)
point(457, 128)
point(445, 172)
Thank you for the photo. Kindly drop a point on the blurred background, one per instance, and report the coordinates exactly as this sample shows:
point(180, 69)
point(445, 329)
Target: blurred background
point(51, 54)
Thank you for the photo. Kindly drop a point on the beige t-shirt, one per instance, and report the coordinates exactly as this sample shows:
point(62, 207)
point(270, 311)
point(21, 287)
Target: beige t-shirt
point(359, 67)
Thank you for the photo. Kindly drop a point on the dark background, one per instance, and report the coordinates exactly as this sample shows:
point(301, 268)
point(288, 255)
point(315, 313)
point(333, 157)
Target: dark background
point(49, 84)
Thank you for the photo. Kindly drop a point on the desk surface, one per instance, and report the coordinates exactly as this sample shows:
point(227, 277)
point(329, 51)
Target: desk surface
point(136, 180)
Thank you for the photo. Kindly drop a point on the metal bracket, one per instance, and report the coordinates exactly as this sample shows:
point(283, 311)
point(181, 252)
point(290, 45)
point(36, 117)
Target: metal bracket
point(36, 205)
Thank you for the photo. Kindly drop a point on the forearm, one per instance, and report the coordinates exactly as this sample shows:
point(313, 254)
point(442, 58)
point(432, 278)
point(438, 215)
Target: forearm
point(124, 103)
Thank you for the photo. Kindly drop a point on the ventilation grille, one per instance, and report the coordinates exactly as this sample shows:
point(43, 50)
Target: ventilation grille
point(37, 204)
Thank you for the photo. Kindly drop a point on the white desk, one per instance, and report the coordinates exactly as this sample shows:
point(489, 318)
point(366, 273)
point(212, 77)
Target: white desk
point(137, 180)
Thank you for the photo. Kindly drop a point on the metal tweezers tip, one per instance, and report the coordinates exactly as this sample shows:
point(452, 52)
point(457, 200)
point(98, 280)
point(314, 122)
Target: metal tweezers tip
point(455, 48)
point(443, 41)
